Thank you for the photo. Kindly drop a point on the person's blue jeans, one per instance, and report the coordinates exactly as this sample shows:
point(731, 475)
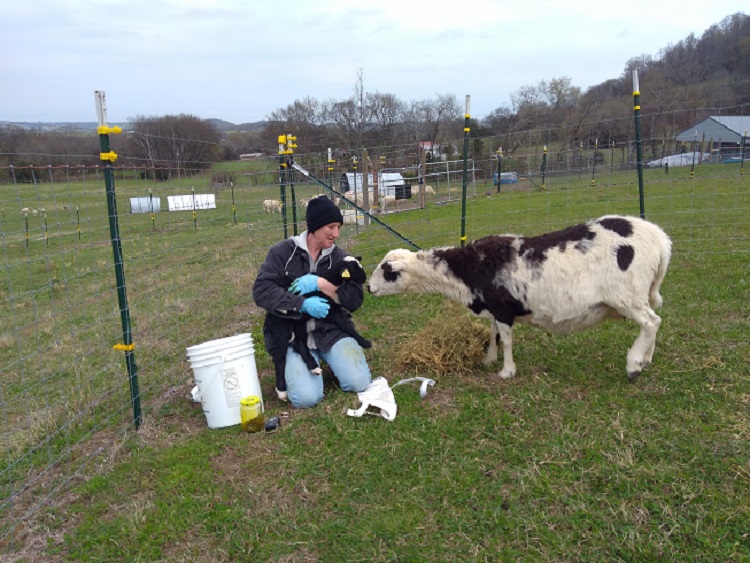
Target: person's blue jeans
point(347, 360)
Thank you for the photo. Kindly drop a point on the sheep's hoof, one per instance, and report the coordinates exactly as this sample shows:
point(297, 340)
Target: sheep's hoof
point(510, 374)
point(317, 371)
point(633, 375)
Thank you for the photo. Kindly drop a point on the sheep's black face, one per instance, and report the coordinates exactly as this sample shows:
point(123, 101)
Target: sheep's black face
point(392, 275)
point(383, 279)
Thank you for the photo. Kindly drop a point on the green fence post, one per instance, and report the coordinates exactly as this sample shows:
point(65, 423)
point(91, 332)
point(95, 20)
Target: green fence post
point(742, 154)
point(286, 147)
point(108, 156)
point(195, 213)
point(499, 166)
point(638, 148)
point(692, 164)
point(593, 164)
point(467, 129)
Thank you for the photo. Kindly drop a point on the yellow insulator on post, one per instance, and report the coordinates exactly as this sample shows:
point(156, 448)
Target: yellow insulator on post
point(104, 130)
point(111, 156)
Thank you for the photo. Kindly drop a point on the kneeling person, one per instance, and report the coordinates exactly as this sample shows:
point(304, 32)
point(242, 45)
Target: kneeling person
point(298, 260)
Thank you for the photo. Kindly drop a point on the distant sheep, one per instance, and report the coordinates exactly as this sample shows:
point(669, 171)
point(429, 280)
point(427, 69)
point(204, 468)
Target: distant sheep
point(303, 202)
point(272, 206)
point(25, 211)
point(564, 281)
point(427, 190)
point(358, 198)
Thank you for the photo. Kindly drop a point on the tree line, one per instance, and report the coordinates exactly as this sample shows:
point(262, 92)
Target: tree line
point(683, 84)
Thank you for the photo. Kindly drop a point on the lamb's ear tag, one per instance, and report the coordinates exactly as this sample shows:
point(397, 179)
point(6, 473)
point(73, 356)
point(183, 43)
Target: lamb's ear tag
point(345, 274)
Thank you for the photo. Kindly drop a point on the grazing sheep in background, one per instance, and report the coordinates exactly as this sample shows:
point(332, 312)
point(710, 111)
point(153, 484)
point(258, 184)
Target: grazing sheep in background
point(563, 281)
point(303, 202)
point(25, 211)
point(358, 198)
point(272, 206)
point(294, 331)
point(429, 190)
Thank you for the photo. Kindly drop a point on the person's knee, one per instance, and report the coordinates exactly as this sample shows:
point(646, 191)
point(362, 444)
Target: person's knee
point(304, 390)
point(350, 366)
point(304, 401)
point(356, 382)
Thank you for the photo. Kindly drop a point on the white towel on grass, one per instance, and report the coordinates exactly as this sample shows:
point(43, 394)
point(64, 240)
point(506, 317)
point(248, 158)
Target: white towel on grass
point(379, 397)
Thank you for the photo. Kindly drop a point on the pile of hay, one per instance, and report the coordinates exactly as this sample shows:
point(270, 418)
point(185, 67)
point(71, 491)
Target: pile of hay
point(453, 342)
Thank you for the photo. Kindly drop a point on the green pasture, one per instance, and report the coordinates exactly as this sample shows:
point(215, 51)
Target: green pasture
point(566, 462)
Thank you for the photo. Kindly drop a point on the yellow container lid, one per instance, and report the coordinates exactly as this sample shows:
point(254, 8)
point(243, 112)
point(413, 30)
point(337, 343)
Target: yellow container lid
point(249, 401)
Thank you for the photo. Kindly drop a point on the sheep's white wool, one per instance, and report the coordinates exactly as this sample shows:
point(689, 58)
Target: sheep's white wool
point(272, 206)
point(563, 281)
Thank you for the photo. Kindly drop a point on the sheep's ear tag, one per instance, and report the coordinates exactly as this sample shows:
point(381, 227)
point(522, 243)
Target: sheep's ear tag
point(346, 274)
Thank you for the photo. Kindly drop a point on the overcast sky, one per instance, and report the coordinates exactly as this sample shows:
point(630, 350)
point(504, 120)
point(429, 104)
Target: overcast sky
point(239, 60)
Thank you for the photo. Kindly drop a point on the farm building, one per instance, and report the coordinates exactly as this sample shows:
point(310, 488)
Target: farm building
point(389, 183)
point(723, 133)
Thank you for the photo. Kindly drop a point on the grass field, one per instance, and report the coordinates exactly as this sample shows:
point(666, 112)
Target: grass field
point(566, 462)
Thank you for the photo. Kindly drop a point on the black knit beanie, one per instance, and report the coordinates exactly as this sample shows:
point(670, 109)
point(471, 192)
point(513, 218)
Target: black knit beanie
point(321, 211)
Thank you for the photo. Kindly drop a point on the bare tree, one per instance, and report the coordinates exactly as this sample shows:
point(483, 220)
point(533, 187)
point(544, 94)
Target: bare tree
point(173, 143)
point(351, 118)
point(436, 121)
point(386, 112)
point(304, 119)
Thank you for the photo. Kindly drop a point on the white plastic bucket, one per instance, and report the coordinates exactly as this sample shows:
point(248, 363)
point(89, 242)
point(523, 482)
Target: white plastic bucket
point(224, 372)
point(218, 344)
point(216, 351)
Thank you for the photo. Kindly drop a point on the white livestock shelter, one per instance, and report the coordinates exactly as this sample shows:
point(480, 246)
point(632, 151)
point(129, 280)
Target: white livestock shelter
point(145, 204)
point(191, 202)
point(387, 182)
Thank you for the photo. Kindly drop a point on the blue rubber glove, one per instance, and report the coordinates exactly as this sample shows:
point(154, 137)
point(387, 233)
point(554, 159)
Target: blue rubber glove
point(315, 307)
point(304, 284)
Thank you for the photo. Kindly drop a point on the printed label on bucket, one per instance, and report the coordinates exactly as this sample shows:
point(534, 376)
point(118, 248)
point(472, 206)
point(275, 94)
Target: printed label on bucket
point(232, 391)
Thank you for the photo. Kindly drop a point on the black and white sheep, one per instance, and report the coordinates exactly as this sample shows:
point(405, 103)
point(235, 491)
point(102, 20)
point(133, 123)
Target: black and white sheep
point(293, 332)
point(564, 281)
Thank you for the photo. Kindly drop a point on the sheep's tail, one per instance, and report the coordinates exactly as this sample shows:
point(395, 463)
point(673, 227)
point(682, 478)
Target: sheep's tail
point(665, 253)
